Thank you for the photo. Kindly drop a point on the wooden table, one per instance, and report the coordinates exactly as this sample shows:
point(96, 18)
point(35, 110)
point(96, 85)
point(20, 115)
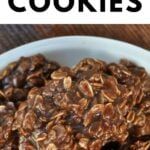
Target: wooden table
point(14, 35)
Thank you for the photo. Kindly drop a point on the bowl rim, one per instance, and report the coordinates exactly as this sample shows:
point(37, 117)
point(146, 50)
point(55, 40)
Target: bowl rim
point(45, 40)
point(141, 52)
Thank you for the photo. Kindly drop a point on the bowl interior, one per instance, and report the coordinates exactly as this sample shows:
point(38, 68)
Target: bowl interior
point(69, 50)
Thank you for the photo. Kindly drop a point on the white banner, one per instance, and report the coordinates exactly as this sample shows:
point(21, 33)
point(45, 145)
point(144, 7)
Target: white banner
point(74, 11)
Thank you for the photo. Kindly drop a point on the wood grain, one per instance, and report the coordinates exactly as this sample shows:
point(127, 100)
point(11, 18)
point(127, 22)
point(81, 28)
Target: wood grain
point(12, 36)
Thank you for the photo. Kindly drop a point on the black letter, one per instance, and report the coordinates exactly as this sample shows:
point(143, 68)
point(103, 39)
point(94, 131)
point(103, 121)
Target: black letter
point(88, 5)
point(62, 9)
point(113, 5)
point(14, 7)
point(41, 9)
point(137, 8)
point(102, 5)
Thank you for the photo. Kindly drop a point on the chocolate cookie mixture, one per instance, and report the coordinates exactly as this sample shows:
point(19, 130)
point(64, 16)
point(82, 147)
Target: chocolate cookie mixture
point(19, 77)
point(16, 80)
point(92, 106)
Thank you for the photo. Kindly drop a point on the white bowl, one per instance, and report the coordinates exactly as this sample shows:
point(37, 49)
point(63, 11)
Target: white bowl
point(69, 50)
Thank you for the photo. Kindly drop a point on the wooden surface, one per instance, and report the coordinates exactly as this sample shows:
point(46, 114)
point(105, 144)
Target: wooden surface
point(15, 35)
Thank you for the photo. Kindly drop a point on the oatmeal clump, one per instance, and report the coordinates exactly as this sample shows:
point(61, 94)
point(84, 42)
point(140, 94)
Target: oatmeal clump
point(92, 106)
